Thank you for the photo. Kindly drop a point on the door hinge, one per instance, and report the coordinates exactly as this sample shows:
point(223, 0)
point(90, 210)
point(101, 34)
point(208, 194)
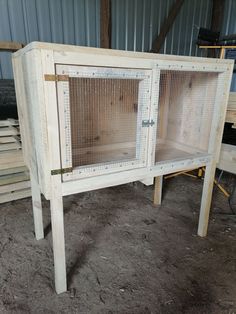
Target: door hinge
point(61, 171)
point(56, 77)
point(147, 123)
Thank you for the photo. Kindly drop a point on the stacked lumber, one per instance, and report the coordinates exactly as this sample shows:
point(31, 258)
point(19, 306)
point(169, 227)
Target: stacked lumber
point(231, 109)
point(14, 176)
point(227, 160)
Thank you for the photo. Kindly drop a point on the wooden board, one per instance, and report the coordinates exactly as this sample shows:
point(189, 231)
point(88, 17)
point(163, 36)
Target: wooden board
point(227, 161)
point(10, 146)
point(14, 186)
point(16, 195)
point(14, 177)
point(232, 101)
point(9, 130)
point(10, 46)
point(9, 122)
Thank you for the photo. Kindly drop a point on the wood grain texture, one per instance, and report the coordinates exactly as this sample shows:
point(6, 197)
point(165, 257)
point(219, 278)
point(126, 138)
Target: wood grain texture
point(105, 24)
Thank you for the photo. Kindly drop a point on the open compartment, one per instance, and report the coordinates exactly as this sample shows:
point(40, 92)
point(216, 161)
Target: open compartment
point(186, 106)
point(101, 119)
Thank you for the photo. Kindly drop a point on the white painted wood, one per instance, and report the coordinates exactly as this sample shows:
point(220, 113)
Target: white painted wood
point(37, 208)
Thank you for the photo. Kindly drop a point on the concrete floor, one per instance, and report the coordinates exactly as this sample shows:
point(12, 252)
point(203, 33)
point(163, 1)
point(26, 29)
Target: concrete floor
point(123, 254)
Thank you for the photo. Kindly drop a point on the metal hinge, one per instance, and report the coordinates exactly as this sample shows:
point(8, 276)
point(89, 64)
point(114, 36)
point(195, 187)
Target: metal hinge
point(56, 77)
point(61, 171)
point(147, 123)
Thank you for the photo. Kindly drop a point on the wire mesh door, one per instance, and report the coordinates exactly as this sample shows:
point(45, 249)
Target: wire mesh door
point(101, 113)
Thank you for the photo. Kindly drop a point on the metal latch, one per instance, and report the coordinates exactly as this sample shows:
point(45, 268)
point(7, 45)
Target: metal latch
point(147, 123)
point(56, 77)
point(61, 171)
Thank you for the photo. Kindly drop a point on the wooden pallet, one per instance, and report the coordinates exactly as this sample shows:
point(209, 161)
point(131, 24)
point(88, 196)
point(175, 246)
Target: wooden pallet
point(231, 109)
point(14, 176)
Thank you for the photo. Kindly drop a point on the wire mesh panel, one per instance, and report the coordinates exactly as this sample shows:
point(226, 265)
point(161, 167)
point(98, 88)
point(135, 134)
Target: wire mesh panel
point(186, 106)
point(101, 112)
point(103, 119)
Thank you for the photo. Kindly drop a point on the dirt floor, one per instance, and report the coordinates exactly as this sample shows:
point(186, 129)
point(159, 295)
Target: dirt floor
point(123, 254)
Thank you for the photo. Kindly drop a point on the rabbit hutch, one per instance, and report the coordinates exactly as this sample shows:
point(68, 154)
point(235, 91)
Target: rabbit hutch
point(92, 118)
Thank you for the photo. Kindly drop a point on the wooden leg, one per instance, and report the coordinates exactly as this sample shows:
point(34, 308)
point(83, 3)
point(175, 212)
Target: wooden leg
point(206, 199)
point(57, 219)
point(37, 208)
point(158, 190)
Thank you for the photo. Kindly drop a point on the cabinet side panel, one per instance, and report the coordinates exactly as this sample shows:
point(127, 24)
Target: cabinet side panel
point(36, 118)
point(23, 116)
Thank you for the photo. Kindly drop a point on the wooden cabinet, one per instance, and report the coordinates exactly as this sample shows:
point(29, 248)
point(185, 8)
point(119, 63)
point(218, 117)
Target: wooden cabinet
point(92, 118)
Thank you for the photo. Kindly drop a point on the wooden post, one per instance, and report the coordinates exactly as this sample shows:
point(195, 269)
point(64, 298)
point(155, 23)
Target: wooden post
point(158, 190)
point(174, 10)
point(206, 199)
point(37, 208)
point(57, 219)
point(216, 22)
point(105, 23)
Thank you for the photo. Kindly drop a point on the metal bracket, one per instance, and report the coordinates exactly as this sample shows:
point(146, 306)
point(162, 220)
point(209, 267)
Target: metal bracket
point(56, 77)
point(147, 123)
point(61, 171)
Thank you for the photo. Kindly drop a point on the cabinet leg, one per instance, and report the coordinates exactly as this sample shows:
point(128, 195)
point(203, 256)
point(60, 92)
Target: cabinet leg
point(57, 219)
point(206, 199)
point(158, 190)
point(37, 208)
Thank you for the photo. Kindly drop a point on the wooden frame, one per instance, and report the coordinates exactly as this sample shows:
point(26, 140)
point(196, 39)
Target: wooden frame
point(39, 99)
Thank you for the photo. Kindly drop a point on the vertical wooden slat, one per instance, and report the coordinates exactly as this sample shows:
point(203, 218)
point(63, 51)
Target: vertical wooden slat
point(105, 24)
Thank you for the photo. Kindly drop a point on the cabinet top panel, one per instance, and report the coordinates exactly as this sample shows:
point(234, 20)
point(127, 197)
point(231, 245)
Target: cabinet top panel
point(113, 52)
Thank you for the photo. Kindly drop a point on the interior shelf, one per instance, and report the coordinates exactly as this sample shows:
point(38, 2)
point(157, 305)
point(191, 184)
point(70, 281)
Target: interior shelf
point(168, 152)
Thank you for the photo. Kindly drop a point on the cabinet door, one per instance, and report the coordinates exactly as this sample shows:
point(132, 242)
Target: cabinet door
point(104, 119)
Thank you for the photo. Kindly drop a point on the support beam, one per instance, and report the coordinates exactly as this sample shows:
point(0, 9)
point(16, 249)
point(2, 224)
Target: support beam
point(206, 199)
point(105, 24)
point(10, 46)
point(216, 21)
point(174, 10)
point(158, 190)
point(217, 15)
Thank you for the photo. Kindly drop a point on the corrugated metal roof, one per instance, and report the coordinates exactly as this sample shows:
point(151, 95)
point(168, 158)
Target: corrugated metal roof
point(135, 23)
point(60, 21)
